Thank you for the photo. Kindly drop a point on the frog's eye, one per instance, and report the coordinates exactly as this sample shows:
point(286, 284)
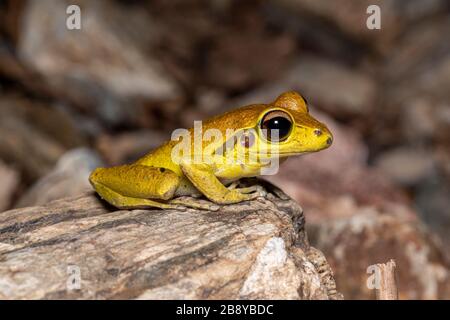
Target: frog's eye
point(276, 125)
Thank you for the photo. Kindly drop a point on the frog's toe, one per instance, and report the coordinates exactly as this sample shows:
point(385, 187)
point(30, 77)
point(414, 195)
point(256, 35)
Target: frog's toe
point(253, 191)
point(262, 192)
point(233, 185)
point(188, 202)
point(259, 192)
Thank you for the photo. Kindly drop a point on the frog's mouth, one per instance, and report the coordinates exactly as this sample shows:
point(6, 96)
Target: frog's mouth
point(280, 154)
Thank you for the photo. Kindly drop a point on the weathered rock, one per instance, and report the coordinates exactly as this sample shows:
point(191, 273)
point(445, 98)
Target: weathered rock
point(326, 84)
point(350, 17)
point(128, 147)
point(9, 179)
point(415, 105)
point(69, 178)
point(433, 203)
point(10, 12)
point(33, 135)
point(256, 249)
point(406, 166)
point(415, 114)
point(103, 66)
point(26, 146)
point(418, 50)
point(239, 60)
point(224, 45)
point(370, 236)
point(15, 75)
point(151, 67)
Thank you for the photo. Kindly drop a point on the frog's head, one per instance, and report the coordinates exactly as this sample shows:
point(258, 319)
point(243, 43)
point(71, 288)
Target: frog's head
point(287, 125)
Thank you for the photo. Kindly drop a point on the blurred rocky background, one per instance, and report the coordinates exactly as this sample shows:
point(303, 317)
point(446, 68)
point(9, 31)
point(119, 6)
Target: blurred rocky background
point(71, 100)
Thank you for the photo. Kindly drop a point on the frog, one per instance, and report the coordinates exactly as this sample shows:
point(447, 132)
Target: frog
point(261, 132)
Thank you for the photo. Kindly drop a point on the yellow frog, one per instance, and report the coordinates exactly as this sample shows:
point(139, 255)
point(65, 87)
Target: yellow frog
point(240, 143)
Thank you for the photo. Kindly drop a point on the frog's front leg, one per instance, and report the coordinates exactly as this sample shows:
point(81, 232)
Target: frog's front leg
point(203, 178)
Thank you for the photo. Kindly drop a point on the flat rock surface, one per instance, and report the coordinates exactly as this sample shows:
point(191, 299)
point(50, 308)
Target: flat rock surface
point(80, 248)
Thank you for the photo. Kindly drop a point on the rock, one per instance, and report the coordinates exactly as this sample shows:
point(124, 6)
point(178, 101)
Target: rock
point(320, 191)
point(15, 75)
point(10, 19)
point(209, 101)
point(418, 51)
point(21, 143)
point(128, 147)
point(9, 183)
point(350, 17)
point(415, 105)
point(34, 135)
point(239, 59)
point(68, 178)
point(415, 115)
point(433, 203)
point(254, 249)
point(222, 46)
point(339, 91)
point(369, 236)
point(406, 166)
point(104, 66)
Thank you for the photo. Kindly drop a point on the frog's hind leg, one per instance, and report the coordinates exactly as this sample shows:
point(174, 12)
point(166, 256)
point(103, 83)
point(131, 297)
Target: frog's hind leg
point(136, 186)
point(123, 202)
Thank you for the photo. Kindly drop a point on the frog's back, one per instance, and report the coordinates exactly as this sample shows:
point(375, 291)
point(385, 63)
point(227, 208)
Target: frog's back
point(235, 119)
point(161, 157)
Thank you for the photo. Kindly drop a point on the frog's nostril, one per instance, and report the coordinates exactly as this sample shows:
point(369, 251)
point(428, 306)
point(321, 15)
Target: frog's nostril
point(318, 132)
point(329, 141)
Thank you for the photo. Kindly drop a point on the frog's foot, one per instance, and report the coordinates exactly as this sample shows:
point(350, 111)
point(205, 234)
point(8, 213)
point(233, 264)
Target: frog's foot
point(194, 203)
point(252, 192)
point(233, 185)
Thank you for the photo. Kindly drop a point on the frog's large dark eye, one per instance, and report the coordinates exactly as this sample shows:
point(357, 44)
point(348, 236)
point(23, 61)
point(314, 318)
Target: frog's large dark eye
point(276, 120)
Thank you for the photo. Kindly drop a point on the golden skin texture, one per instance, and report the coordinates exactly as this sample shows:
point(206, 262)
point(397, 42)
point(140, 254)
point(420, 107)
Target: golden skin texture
point(156, 180)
